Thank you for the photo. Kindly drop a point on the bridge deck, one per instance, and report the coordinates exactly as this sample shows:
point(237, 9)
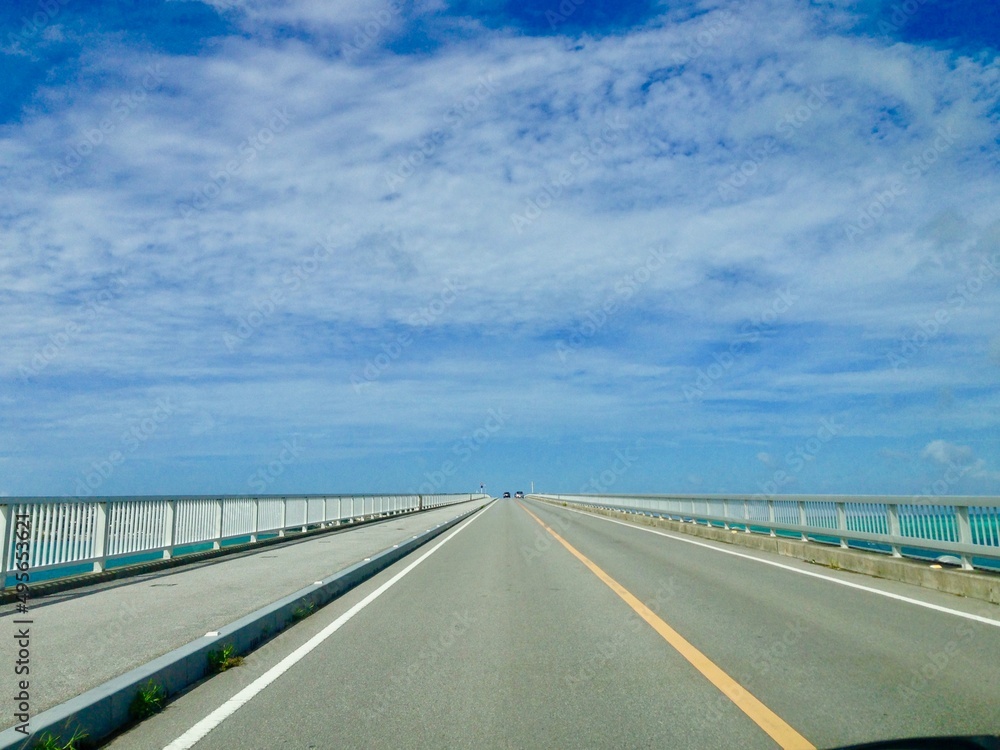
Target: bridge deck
point(505, 638)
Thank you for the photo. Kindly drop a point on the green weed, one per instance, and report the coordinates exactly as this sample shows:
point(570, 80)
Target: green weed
point(301, 613)
point(148, 701)
point(49, 741)
point(225, 658)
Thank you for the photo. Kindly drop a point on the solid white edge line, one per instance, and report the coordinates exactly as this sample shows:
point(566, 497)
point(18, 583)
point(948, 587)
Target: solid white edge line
point(227, 709)
point(849, 584)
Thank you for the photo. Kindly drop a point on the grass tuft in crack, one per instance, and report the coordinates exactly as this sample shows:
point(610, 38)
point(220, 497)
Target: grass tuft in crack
point(225, 658)
point(148, 701)
point(49, 741)
point(301, 613)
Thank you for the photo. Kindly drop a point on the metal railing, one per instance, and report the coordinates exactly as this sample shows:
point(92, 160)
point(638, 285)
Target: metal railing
point(47, 533)
point(966, 527)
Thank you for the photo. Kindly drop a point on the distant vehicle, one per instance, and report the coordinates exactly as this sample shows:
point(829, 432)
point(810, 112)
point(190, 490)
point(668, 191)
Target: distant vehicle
point(506, 494)
point(519, 494)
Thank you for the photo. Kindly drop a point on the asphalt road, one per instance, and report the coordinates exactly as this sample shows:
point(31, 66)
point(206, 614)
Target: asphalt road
point(502, 637)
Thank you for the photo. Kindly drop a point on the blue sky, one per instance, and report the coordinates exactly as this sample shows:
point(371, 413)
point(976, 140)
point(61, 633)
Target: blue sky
point(291, 246)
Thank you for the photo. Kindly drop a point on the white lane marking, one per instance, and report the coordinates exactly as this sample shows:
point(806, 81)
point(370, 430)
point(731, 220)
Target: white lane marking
point(227, 709)
point(849, 584)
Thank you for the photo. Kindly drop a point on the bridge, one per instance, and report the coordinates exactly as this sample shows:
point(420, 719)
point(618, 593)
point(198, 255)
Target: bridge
point(465, 621)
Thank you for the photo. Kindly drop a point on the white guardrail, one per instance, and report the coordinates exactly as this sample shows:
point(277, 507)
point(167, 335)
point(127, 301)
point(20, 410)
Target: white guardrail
point(966, 527)
point(45, 533)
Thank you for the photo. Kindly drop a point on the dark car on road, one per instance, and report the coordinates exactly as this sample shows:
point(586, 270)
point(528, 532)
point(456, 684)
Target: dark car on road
point(506, 494)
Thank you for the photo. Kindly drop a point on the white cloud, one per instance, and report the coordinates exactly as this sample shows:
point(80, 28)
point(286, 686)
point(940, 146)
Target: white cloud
point(949, 454)
point(351, 123)
point(944, 452)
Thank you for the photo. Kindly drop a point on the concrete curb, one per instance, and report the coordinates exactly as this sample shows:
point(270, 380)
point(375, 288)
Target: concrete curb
point(104, 710)
point(981, 585)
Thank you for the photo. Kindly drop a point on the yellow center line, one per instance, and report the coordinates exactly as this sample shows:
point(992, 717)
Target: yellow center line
point(761, 715)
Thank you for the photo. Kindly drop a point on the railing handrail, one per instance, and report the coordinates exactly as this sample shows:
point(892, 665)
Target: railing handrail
point(69, 532)
point(988, 501)
point(41, 499)
point(963, 525)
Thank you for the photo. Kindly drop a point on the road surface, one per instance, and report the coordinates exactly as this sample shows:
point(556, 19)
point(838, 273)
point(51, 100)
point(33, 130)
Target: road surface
point(536, 626)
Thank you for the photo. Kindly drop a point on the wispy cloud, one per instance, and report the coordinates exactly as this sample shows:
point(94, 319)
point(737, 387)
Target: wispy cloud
point(758, 147)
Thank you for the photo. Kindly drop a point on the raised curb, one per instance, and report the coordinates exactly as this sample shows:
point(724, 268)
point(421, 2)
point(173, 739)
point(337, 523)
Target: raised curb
point(981, 585)
point(104, 709)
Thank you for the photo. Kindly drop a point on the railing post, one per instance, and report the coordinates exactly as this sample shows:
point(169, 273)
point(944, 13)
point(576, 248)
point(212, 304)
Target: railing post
point(217, 532)
point(770, 516)
point(168, 529)
point(284, 516)
point(803, 520)
point(892, 514)
point(725, 513)
point(5, 541)
point(256, 519)
point(420, 502)
point(101, 534)
point(964, 530)
point(842, 523)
